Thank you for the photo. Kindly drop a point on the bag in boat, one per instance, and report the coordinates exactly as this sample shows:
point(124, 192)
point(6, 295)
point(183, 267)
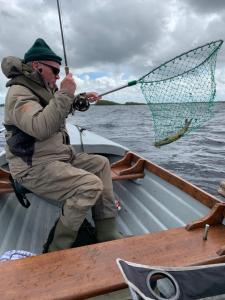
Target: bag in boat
point(186, 283)
point(15, 254)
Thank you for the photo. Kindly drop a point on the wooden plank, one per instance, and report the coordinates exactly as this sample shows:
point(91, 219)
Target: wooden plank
point(5, 190)
point(5, 186)
point(5, 183)
point(197, 193)
point(115, 176)
point(91, 270)
point(129, 167)
point(4, 173)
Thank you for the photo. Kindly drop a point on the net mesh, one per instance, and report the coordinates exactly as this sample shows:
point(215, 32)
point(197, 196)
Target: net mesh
point(180, 93)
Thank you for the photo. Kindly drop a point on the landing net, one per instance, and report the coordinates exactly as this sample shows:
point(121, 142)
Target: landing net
point(180, 93)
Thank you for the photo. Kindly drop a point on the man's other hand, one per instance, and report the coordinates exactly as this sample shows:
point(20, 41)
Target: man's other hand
point(92, 97)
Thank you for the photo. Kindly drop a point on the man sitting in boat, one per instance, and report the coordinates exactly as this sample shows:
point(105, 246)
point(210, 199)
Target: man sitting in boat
point(39, 153)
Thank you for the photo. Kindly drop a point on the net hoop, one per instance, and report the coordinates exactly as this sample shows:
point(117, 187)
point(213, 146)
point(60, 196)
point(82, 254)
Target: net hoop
point(180, 93)
point(218, 44)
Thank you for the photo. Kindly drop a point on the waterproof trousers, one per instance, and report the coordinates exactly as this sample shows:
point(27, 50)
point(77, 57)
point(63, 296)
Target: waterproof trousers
point(82, 183)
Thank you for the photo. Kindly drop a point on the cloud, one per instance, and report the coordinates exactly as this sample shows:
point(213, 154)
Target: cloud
point(206, 6)
point(116, 40)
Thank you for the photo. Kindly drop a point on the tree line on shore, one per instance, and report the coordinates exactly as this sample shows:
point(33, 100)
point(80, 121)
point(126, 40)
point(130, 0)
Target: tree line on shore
point(107, 102)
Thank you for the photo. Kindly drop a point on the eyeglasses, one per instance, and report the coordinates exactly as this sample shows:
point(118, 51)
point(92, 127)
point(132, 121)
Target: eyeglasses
point(55, 70)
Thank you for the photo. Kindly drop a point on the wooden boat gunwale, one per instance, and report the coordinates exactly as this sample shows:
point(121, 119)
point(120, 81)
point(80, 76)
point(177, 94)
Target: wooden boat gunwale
point(91, 270)
point(199, 194)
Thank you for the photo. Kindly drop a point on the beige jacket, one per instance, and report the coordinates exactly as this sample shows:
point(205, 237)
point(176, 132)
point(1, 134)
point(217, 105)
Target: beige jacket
point(46, 123)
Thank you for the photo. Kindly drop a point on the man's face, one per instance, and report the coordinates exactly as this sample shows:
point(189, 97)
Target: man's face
point(49, 71)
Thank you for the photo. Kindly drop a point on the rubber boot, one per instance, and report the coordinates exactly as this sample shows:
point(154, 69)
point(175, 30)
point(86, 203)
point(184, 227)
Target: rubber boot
point(106, 230)
point(60, 237)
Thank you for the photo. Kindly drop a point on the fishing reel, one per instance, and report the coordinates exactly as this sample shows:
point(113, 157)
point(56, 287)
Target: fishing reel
point(81, 102)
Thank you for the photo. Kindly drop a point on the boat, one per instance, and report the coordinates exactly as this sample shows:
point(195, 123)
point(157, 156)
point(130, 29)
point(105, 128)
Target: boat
point(164, 220)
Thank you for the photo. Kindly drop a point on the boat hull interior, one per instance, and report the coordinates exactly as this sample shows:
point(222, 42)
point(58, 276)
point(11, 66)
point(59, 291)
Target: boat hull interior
point(149, 204)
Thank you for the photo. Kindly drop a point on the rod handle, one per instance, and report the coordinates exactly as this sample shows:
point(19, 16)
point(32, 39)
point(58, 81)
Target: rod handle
point(67, 70)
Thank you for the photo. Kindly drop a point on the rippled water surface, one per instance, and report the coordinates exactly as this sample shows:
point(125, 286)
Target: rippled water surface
point(198, 157)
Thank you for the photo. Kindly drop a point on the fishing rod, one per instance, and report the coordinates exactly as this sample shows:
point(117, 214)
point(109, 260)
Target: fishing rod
point(63, 42)
point(134, 82)
point(81, 103)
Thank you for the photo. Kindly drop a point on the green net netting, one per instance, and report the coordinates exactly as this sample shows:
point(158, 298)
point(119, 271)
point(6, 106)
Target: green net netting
point(180, 93)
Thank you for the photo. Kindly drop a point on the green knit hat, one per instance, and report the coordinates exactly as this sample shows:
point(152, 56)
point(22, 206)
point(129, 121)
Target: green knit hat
point(41, 51)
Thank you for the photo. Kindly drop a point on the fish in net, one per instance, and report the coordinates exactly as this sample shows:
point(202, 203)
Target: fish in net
point(180, 93)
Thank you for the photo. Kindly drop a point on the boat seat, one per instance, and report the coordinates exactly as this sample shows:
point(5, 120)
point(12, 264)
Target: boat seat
point(9, 185)
point(129, 167)
point(5, 183)
point(84, 272)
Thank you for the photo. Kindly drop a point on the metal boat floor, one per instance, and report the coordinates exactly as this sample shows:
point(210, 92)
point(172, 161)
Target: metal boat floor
point(26, 228)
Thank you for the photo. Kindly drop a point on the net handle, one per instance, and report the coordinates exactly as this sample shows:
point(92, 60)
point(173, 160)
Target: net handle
point(130, 83)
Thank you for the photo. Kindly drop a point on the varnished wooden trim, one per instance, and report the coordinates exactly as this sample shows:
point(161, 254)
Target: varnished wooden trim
point(215, 217)
point(5, 183)
point(128, 168)
point(197, 193)
point(91, 270)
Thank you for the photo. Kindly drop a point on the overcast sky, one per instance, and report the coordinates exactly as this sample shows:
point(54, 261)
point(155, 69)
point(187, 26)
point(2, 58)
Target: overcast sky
point(110, 42)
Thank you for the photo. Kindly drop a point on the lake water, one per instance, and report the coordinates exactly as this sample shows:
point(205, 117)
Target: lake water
point(199, 157)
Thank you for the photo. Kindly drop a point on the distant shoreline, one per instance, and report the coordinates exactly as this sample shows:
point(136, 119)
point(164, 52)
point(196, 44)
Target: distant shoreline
point(107, 102)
